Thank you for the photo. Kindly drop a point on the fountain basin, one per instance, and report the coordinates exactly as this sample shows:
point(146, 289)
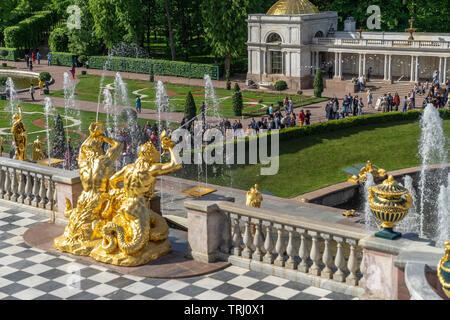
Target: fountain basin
point(22, 79)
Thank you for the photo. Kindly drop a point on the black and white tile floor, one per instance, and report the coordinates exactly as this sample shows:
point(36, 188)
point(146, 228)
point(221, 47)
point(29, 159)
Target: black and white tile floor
point(29, 273)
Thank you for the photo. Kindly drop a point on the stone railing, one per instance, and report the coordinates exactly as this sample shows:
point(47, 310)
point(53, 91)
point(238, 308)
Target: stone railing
point(306, 250)
point(441, 45)
point(41, 187)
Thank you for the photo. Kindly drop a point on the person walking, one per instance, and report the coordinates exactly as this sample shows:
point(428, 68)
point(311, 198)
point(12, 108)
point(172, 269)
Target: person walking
point(33, 57)
point(49, 59)
point(32, 92)
point(369, 99)
point(405, 104)
point(302, 117)
point(308, 117)
point(38, 57)
point(291, 106)
point(360, 107)
point(138, 104)
point(27, 60)
point(30, 64)
point(396, 101)
point(72, 71)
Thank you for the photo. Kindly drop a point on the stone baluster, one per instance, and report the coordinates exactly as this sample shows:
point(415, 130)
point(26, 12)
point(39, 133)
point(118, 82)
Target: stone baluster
point(268, 245)
point(22, 196)
point(247, 252)
point(55, 206)
point(237, 238)
point(28, 189)
point(50, 193)
point(35, 201)
point(8, 192)
point(339, 261)
point(327, 259)
point(352, 265)
point(290, 250)
point(42, 192)
point(226, 235)
point(258, 242)
point(314, 254)
point(362, 269)
point(279, 248)
point(2, 182)
point(14, 186)
point(303, 251)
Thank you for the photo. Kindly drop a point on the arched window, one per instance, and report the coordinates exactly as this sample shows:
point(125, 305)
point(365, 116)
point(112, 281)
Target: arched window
point(274, 37)
point(319, 34)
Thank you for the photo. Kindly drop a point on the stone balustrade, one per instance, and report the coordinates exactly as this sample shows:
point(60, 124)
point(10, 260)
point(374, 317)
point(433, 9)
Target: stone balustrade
point(312, 251)
point(38, 186)
point(377, 43)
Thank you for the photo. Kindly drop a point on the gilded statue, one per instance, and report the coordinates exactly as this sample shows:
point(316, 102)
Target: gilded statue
point(443, 270)
point(96, 167)
point(368, 168)
point(112, 221)
point(136, 234)
point(37, 154)
point(20, 136)
point(253, 197)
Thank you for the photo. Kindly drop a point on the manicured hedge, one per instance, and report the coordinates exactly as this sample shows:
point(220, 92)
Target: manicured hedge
point(160, 67)
point(292, 133)
point(62, 59)
point(12, 54)
point(29, 32)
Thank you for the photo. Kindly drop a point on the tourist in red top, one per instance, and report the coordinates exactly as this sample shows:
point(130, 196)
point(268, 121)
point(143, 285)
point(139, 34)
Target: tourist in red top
point(302, 117)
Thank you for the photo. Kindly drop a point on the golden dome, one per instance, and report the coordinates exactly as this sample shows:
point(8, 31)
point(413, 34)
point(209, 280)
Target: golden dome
point(283, 7)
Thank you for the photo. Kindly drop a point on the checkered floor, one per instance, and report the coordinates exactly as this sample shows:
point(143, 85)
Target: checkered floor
point(28, 273)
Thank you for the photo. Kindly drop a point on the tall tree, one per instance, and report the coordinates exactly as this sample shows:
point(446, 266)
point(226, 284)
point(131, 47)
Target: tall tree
point(131, 16)
point(84, 41)
point(106, 24)
point(225, 27)
point(169, 25)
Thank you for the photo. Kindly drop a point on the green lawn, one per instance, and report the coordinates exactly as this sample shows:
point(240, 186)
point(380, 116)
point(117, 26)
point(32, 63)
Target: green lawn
point(314, 162)
point(254, 102)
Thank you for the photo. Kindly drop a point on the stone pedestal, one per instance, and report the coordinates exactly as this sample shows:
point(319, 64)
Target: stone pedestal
point(205, 225)
point(68, 186)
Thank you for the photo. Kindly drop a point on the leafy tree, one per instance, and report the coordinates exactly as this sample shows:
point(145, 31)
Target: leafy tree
point(58, 40)
point(106, 23)
point(169, 25)
point(228, 80)
point(318, 83)
point(84, 41)
point(225, 27)
point(131, 15)
point(190, 110)
point(237, 101)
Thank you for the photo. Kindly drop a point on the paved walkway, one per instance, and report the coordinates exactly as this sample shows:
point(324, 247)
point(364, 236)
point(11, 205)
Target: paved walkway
point(57, 72)
point(33, 274)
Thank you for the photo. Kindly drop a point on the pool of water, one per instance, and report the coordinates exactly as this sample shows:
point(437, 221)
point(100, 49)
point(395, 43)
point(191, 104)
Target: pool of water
point(20, 81)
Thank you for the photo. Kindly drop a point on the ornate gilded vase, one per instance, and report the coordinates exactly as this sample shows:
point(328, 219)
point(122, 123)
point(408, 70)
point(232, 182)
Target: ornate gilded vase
point(444, 270)
point(389, 203)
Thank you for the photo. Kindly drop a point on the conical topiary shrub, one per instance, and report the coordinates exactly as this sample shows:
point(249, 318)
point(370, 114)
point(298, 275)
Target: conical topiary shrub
point(190, 110)
point(318, 83)
point(237, 101)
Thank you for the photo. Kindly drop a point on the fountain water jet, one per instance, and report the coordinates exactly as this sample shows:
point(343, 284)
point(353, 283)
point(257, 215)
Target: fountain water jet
point(49, 111)
point(432, 151)
point(11, 90)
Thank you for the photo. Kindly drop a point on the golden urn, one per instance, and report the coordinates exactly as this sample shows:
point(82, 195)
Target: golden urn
point(443, 270)
point(389, 203)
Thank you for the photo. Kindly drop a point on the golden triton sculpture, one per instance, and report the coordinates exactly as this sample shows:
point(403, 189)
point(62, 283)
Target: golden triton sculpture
point(113, 222)
point(368, 168)
point(443, 270)
point(83, 231)
point(20, 136)
point(37, 154)
point(388, 206)
point(253, 197)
